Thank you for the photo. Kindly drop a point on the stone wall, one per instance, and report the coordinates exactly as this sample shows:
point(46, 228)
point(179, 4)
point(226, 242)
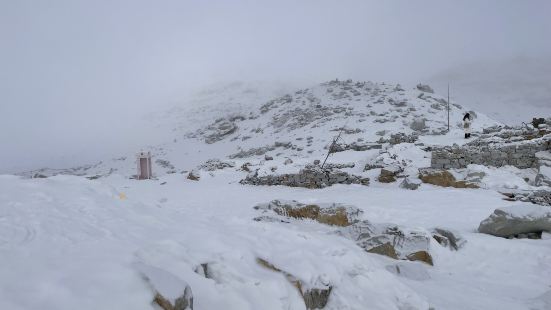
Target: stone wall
point(519, 154)
point(309, 177)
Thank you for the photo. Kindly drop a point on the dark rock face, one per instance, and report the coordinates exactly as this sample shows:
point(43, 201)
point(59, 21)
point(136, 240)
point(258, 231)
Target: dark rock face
point(309, 177)
point(513, 221)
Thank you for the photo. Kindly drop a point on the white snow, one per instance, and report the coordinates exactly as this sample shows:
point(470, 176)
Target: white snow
point(67, 242)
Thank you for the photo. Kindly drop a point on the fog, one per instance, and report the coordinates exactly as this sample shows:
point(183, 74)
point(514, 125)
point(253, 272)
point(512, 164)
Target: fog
point(76, 76)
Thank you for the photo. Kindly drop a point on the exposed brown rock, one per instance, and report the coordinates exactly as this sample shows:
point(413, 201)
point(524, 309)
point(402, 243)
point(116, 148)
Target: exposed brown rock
point(384, 249)
point(443, 178)
point(423, 256)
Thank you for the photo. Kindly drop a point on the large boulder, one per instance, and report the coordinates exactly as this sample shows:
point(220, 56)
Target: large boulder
point(325, 213)
point(517, 220)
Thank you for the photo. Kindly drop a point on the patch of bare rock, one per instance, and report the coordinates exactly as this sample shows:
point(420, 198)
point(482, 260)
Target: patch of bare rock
point(312, 176)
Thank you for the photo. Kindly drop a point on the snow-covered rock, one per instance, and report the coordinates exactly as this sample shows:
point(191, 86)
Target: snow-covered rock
point(325, 213)
point(391, 240)
point(516, 220)
point(171, 293)
point(410, 183)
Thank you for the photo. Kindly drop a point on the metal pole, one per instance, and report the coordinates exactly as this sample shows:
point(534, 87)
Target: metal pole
point(448, 107)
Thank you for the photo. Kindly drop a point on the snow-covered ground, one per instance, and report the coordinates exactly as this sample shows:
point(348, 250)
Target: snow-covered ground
point(84, 240)
point(69, 242)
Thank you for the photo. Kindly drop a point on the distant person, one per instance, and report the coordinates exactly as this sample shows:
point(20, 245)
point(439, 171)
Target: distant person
point(467, 125)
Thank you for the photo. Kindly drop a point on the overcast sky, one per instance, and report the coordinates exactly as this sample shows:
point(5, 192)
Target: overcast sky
point(75, 75)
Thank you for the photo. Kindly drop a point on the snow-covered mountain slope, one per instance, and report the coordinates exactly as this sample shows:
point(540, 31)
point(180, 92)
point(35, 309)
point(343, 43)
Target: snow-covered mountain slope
point(221, 123)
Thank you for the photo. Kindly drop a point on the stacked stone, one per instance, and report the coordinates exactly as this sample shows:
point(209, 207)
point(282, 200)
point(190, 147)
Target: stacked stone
point(521, 155)
point(308, 177)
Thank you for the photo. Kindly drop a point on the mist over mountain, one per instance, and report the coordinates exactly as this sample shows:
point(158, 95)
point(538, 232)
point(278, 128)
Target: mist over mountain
point(512, 91)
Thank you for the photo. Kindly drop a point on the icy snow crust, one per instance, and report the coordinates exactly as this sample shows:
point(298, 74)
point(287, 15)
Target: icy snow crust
point(70, 242)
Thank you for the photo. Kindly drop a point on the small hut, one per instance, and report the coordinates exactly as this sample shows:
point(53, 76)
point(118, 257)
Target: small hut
point(144, 165)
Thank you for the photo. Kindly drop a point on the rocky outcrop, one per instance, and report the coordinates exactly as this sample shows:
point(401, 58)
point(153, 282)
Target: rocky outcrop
point(390, 240)
point(309, 177)
point(314, 298)
point(517, 220)
point(443, 178)
point(326, 213)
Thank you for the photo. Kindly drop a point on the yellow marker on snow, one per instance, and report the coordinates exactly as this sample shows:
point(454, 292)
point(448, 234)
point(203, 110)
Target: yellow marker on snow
point(122, 196)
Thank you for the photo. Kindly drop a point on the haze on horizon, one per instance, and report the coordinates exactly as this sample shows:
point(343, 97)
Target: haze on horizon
point(77, 75)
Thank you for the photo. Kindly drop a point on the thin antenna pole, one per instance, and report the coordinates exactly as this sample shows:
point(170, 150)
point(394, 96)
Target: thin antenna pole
point(448, 107)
